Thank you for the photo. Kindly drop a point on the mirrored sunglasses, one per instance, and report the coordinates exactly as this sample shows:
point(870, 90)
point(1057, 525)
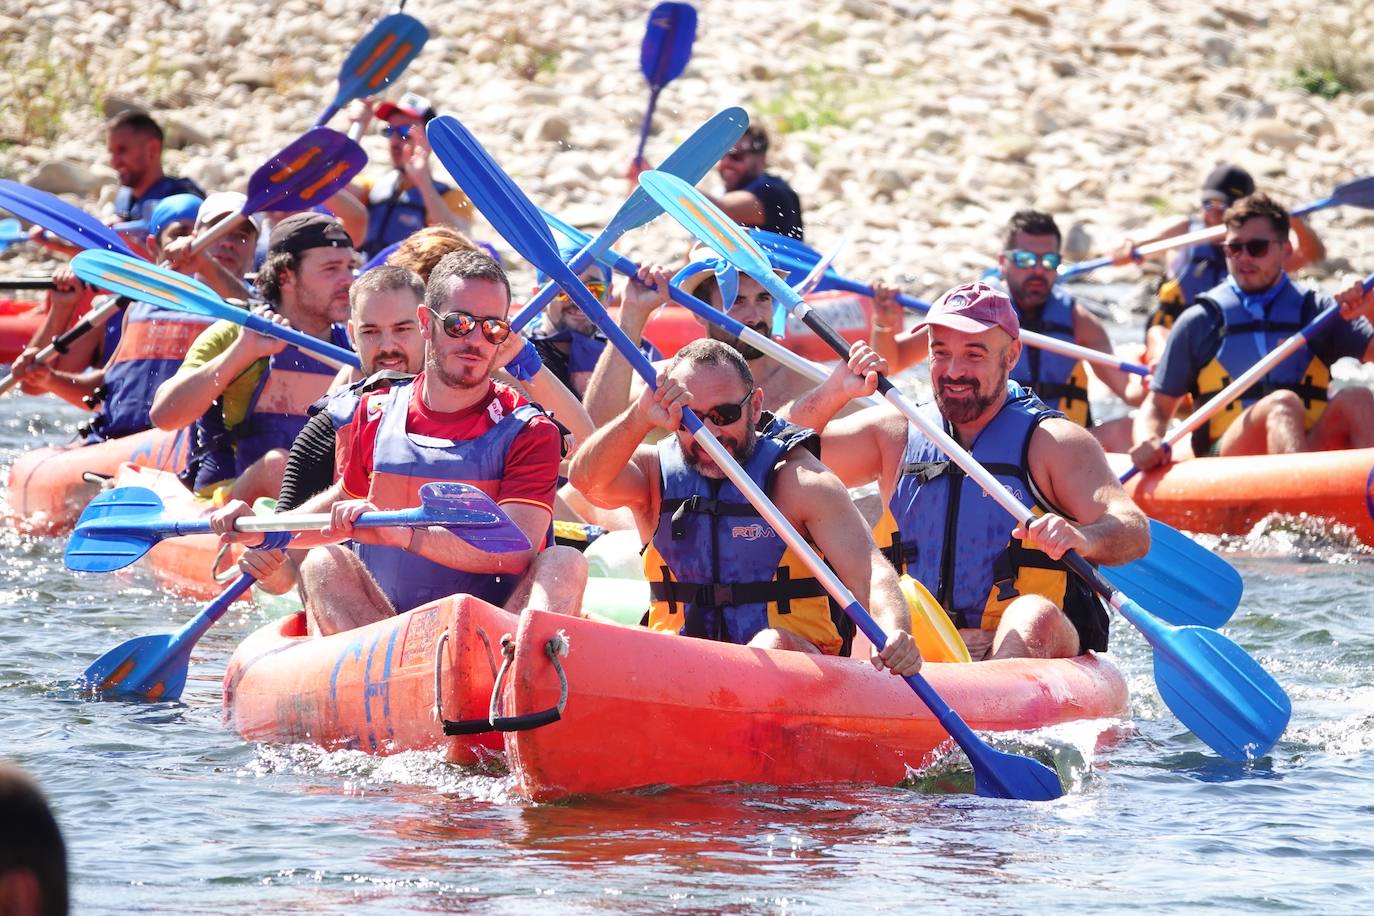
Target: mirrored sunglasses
point(461, 324)
point(1025, 260)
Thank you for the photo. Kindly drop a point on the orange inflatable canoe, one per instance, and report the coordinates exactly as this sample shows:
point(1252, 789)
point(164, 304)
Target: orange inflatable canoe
point(694, 712)
point(19, 321)
point(47, 488)
point(384, 688)
point(672, 326)
point(1229, 495)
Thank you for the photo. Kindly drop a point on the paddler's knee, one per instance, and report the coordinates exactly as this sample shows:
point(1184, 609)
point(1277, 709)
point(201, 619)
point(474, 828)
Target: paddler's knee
point(556, 580)
point(1032, 626)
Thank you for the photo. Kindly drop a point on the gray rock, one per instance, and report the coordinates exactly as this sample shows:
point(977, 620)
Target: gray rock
point(180, 134)
point(112, 105)
point(1217, 49)
point(1276, 133)
point(63, 176)
point(550, 127)
point(252, 75)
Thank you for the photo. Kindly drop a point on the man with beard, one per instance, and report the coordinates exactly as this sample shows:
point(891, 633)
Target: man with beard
point(1005, 589)
point(452, 423)
point(248, 393)
point(1234, 325)
point(717, 569)
point(753, 197)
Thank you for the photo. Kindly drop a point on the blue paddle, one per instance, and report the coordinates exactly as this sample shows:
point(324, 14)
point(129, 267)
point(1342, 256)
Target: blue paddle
point(798, 257)
point(691, 160)
point(68, 223)
point(1183, 583)
point(306, 173)
point(1247, 379)
point(378, 58)
point(119, 526)
point(159, 286)
point(1212, 685)
point(1356, 193)
point(996, 774)
point(154, 668)
point(663, 55)
point(11, 233)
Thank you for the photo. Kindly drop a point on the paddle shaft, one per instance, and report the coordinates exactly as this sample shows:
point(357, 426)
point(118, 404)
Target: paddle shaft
point(62, 342)
point(216, 232)
point(1247, 379)
point(648, 121)
point(26, 283)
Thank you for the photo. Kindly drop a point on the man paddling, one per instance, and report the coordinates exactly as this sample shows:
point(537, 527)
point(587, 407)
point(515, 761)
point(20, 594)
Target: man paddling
point(451, 423)
point(1005, 589)
point(1232, 326)
point(717, 569)
point(753, 196)
point(248, 393)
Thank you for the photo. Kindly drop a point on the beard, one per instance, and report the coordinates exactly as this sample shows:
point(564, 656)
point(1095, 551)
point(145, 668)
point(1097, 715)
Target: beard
point(740, 449)
point(1030, 293)
point(969, 407)
point(745, 350)
point(470, 375)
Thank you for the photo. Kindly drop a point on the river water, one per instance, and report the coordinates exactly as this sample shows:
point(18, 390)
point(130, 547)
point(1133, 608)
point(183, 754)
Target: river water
point(166, 811)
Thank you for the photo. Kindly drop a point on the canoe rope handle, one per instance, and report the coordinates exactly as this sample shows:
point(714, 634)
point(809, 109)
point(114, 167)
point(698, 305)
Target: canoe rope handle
point(229, 572)
point(495, 722)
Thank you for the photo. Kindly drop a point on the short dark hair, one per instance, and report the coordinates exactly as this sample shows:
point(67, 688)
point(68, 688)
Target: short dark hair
point(1031, 222)
point(1258, 206)
point(384, 278)
point(707, 351)
point(756, 138)
point(136, 120)
point(31, 840)
point(269, 275)
point(462, 265)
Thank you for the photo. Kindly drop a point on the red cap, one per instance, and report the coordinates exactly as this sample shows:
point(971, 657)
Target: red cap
point(974, 308)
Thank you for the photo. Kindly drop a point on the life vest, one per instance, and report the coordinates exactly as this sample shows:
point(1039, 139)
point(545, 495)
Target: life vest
point(718, 570)
point(278, 410)
point(1192, 271)
point(584, 351)
point(401, 464)
point(150, 351)
point(1060, 381)
point(394, 214)
point(340, 406)
point(127, 208)
point(1303, 372)
point(944, 531)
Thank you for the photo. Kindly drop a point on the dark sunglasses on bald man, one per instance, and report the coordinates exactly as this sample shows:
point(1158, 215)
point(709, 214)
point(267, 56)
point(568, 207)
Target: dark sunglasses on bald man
point(460, 324)
point(725, 414)
point(1255, 248)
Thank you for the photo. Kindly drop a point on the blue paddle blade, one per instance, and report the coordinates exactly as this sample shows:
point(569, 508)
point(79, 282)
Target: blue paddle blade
point(306, 173)
point(1004, 775)
point(68, 223)
point(473, 515)
point(1180, 581)
point(667, 42)
point(1214, 687)
point(692, 159)
point(114, 530)
point(377, 59)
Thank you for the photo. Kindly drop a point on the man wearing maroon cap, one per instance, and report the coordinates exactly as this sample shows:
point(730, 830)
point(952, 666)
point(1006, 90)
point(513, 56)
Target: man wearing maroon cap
point(247, 393)
point(1006, 590)
point(407, 197)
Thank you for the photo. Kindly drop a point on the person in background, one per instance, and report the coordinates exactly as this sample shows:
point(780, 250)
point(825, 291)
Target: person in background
point(33, 857)
point(753, 196)
point(406, 197)
point(1232, 326)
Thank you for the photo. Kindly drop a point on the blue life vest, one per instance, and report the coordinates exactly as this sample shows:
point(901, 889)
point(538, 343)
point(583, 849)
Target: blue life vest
point(584, 351)
point(944, 531)
point(718, 570)
point(129, 209)
point(394, 214)
point(150, 351)
point(401, 464)
point(1242, 336)
point(340, 406)
point(1060, 381)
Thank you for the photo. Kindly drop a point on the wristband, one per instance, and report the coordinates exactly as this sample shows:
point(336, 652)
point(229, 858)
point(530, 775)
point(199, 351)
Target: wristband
point(526, 363)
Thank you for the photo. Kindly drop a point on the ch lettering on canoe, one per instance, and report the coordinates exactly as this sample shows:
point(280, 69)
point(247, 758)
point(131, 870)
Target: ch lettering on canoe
point(752, 532)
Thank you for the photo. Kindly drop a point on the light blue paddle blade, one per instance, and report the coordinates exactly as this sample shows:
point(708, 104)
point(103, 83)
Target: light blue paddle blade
point(1180, 581)
point(114, 530)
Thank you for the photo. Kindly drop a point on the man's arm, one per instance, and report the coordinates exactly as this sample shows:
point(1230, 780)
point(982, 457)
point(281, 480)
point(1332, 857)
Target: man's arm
point(1071, 470)
point(608, 390)
point(818, 505)
point(610, 468)
point(211, 365)
point(1088, 331)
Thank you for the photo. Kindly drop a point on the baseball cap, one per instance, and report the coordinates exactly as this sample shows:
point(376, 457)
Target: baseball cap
point(222, 203)
point(974, 308)
point(411, 105)
point(303, 231)
point(177, 208)
point(1229, 183)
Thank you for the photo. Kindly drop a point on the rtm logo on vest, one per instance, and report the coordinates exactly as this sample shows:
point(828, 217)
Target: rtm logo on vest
point(1015, 491)
point(752, 532)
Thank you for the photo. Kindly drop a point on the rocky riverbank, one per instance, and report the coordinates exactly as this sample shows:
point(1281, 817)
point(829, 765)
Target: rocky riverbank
point(912, 128)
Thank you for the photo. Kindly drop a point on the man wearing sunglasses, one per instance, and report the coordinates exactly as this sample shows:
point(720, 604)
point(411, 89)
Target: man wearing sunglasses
point(1030, 265)
point(452, 423)
point(1232, 326)
point(407, 197)
point(717, 569)
point(1006, 590)
point(753, 196)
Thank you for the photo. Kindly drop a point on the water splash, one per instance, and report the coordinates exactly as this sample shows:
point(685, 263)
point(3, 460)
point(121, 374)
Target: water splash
point(1302, 537)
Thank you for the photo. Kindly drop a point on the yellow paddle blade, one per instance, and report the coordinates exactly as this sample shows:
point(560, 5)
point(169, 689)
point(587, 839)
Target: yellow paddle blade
point(931, 627)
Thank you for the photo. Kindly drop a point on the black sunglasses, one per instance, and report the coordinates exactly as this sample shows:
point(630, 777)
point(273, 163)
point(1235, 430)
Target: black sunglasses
point(725, 414)
point(1255, 248)
point(461, 324)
